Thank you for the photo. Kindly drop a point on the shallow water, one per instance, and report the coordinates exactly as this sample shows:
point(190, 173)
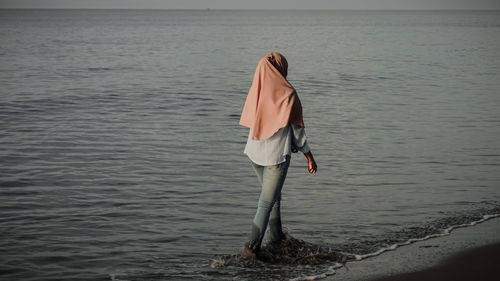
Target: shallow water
point(122, 155)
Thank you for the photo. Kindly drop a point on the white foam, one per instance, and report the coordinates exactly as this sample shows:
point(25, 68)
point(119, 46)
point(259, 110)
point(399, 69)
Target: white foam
point(219, 262)
point(330, 271)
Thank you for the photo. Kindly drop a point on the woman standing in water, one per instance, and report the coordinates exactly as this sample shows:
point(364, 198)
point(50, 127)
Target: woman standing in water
point(273, 113)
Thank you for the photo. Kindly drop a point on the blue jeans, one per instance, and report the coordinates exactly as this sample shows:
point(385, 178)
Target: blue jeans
point(268, 210)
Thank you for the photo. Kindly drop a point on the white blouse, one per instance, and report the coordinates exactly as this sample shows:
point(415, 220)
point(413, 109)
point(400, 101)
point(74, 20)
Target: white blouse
point(274, 150)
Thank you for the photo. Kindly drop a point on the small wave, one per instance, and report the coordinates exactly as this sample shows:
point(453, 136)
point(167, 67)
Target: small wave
point(445, 232)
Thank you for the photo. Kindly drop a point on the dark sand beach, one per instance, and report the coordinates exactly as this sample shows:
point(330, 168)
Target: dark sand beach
point(469, 253)
point(476, 264)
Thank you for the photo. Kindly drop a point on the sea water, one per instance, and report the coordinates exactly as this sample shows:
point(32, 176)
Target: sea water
point(122, 157)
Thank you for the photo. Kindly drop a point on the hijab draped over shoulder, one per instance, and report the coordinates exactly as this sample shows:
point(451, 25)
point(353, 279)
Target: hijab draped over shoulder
point(272, 102)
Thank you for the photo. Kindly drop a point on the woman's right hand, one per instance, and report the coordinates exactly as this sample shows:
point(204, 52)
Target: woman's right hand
point(312, 167)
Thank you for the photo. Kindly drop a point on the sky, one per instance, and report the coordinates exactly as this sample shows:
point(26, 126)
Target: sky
point(256, 4)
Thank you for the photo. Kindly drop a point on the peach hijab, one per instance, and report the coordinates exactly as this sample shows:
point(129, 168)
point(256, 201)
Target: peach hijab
point(272, 102)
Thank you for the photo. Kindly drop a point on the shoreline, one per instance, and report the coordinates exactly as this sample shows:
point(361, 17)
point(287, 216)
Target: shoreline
point(429, 257)
point(473, 264)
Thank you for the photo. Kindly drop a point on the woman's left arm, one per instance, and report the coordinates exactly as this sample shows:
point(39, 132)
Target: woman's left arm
point(299, 139)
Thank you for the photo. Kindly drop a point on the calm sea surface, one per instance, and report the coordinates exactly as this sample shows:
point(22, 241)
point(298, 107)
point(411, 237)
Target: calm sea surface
point(121, 153)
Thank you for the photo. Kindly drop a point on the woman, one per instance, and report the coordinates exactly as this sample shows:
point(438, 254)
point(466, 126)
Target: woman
point(273, 113)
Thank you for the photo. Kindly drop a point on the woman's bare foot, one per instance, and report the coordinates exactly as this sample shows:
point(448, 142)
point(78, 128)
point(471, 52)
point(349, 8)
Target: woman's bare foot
point(246, 253)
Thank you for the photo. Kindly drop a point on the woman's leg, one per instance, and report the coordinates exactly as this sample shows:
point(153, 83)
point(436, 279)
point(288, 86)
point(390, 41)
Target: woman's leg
point(259, 171)
point(275, 221)
point(272, 180)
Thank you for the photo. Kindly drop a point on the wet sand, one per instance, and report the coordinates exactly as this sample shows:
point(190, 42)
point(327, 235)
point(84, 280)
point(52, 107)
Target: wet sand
point(476, 264)
point(469, 253)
